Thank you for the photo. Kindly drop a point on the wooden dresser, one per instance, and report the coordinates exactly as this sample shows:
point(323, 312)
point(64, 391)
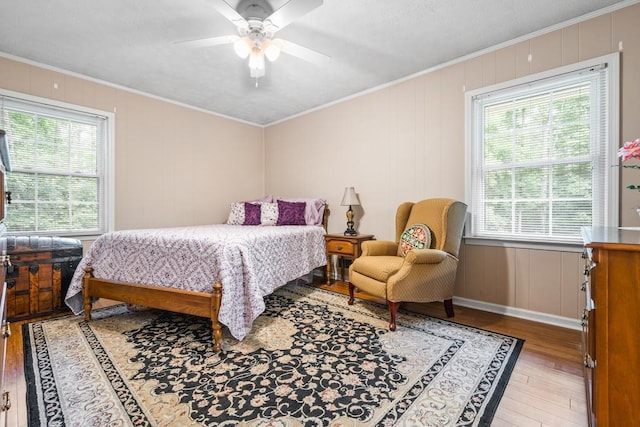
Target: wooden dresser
point(611, 325)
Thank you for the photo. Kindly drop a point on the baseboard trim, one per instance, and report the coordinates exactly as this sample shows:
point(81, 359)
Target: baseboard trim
point(536, 316)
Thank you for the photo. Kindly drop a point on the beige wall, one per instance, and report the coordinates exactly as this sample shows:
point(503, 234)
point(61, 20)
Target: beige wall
point(406, 142)
point(173, 165)
point(178, 166)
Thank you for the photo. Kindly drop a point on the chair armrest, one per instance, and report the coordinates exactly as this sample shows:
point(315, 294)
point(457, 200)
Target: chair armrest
point(425, 256)
point(379, 248)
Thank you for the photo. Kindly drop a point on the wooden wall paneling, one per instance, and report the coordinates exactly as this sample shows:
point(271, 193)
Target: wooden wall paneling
point(403, 121)
point(522, 278)
point(570, 44)
point(571, 299)
point(58, 86)
point(523, 66)
point(473, 73)
point(420, 135)
point(627, 31)
point(546, 52)
point(459, 289)
point(474, 267)
point(499, 275)
point(505, 68)
point(75, 90)
point(14, 75)
point(545, 283)
point(41, 83)
point(595, 37)
point(105, 98)
point(488, 69)
point(432, 128)
point(452, 132)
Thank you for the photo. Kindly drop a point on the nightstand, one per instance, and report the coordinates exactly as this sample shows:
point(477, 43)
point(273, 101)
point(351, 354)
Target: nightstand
point(343, 246)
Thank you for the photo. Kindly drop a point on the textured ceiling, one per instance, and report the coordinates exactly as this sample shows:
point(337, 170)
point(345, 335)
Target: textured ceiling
point(135, 44)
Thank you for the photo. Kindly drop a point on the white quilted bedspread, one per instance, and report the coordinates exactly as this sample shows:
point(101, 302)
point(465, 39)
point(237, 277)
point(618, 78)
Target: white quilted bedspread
point(249, 261)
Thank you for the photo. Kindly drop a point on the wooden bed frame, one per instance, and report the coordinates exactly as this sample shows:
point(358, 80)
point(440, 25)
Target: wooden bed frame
point(171, 299)
point(177, 300)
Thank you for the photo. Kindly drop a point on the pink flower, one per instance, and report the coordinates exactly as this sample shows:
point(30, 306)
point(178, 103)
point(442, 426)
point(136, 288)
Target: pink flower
point(630, 150)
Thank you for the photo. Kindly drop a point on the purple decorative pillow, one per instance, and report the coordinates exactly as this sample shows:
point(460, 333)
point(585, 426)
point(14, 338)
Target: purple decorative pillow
point(291, 213)
point(251, 214)
point(314, 212)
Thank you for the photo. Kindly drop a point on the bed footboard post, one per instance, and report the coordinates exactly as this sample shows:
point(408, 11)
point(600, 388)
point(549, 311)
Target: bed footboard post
point(86, 298)
point(216, 298)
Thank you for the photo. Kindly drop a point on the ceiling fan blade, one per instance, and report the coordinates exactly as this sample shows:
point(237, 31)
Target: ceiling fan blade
point(210, 41)
point(230, 13)
point(291, 11)
point(303, 52)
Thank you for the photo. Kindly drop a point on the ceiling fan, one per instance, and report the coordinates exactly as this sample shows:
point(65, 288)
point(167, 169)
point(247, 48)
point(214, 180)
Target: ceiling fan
point(257, 24)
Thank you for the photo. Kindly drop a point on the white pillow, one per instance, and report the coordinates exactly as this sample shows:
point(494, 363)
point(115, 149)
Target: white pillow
point(268, 213)
point(236, 214)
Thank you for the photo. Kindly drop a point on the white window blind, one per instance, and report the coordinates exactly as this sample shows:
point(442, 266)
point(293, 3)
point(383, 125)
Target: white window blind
point(58, 176)
point(540, 157)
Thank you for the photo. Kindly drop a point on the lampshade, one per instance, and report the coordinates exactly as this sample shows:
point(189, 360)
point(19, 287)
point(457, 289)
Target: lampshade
point(256, 59)
point(243, 47)
point(256, 73)
point(271, 49)
point(350, 198)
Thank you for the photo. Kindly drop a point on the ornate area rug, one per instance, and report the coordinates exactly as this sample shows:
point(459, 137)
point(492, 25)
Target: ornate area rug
point(310, 360)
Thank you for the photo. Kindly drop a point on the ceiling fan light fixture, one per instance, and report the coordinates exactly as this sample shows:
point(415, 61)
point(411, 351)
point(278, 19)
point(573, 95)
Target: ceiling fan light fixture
point(256, 60)
point(257, 22)
point(256, 73)
point(271, 50)
point(243, 47)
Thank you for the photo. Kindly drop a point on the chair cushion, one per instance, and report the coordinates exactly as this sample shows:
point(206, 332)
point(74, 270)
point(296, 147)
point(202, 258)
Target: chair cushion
point(417, 236)
point(378, 267)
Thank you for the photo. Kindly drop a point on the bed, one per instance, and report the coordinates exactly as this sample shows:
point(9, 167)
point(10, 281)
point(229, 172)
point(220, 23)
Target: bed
point(221, 271)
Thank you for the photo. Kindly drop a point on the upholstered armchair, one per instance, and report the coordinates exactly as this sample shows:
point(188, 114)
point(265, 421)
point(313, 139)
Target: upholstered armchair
point(420, 265)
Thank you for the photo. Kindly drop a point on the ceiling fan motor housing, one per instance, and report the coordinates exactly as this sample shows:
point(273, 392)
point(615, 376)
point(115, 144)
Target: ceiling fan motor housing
point(254, 9)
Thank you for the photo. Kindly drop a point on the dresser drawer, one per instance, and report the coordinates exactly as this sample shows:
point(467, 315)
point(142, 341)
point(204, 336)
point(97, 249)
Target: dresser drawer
point(340, 247)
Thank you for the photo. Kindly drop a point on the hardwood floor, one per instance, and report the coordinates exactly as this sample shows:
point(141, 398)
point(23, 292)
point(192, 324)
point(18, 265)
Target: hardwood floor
point(545, 389)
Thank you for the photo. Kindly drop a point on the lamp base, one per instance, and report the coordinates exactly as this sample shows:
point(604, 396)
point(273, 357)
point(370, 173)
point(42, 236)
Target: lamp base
point(350, 232)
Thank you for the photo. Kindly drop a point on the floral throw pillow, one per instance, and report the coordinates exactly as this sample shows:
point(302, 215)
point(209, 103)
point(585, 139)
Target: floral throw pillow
point(291, 213)
point(268, 213)
point(418, 236)
point(236, 214)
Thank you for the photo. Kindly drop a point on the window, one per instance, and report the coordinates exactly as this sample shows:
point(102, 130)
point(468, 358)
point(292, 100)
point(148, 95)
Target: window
point(58, 178)
point(540, 155)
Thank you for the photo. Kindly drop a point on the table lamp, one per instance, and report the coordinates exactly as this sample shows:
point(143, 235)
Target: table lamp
point(350, 199)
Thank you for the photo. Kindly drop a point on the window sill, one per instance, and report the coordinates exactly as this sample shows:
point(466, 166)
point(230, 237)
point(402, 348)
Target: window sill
point(525, 244)
point(81, 237)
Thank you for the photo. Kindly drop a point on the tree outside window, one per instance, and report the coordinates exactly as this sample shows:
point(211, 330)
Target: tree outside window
point(57, 173)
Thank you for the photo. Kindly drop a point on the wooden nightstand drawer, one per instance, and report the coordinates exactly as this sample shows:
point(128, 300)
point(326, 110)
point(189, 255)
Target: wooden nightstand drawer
point(343, 247)
point(340, 247)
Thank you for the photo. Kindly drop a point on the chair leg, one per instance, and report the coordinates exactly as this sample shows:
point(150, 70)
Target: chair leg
point(393, 310)
point(448, 307)
point(351, 289)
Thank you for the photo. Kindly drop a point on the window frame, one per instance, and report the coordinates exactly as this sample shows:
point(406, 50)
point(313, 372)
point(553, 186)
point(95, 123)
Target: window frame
point(474, 149)
point(106, 157)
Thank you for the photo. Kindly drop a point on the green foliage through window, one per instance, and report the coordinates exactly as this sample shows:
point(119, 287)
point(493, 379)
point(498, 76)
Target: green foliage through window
point(536, 158)
point(56, 180)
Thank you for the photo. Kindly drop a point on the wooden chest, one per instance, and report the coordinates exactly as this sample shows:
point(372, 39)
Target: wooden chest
point(39, 275)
